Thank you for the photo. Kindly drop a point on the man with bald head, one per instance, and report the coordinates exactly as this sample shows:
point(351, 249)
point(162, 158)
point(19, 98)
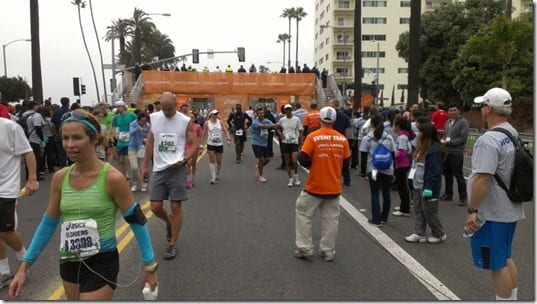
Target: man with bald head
point(170, 132)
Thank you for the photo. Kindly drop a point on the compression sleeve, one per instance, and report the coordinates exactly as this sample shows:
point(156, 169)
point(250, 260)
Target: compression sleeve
point(142, 237)
point(42, 236)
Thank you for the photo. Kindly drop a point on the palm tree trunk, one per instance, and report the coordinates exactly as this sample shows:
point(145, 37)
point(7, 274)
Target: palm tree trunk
point(357, 55)
point(289, 47)
point(89, 55)
point(37, 81)
point(296, 46)
point(414, 52)
point(283, 61)
point(100, 52)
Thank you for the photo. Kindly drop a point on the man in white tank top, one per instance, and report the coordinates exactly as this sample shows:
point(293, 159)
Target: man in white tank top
point(170, 132)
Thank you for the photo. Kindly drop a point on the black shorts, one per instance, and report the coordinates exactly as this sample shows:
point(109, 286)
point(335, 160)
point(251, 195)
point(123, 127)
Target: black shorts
point(105, 264)
point(8, 216)
point(239, 139)
point(289, 148)
point(216, 149)
point(260, 151)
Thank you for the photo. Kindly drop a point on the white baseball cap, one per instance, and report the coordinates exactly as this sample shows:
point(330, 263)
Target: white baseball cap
point(287, 106)
point(496, 97)
point(328, 114)
point(120, 103)
point(215, 111)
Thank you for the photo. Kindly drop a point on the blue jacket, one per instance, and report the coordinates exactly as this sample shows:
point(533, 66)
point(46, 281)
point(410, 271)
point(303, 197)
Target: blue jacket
point(137, 135)
point(432, 176)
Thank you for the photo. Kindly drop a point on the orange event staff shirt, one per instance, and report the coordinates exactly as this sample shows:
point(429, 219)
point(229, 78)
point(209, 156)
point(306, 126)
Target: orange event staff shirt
point(327, 148)
point(312, 120)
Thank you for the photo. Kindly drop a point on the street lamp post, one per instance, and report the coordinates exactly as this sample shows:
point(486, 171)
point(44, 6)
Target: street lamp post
point(4, 52)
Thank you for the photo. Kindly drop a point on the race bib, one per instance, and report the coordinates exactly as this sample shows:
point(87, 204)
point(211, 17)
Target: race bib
point(263, 133)
point(124, 136)
point(79, 239)
point(167, 142)
point(239, 132)
point(216, 137)
point(290, 136)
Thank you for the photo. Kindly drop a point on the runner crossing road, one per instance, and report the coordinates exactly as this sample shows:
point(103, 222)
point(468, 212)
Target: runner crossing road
point(239, 246)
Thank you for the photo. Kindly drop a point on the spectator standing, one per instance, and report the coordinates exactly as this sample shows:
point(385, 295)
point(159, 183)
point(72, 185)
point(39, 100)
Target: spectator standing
point(379, 180)
point(454, 139)
point(439, 117)
point(403, 162)
point(341, 124)
point(492, 217)
point(427, 183)
point(323, 187)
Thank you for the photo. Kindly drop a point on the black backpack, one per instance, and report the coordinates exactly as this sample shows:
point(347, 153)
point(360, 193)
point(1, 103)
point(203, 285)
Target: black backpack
point(521, 187)
point(23, 122)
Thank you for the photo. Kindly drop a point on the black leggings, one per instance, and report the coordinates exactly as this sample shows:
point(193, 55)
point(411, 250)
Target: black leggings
point(401, 179)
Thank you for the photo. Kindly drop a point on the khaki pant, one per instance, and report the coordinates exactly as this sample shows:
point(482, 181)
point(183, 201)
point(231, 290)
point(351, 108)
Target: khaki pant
point(329, 211)
point(135, 166)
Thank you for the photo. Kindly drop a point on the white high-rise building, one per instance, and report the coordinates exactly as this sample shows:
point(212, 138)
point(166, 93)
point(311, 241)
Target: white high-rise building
point(382, 23)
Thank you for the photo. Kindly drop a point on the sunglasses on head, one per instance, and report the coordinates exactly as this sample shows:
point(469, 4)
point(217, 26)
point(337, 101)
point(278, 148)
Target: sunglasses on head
point(80, 117)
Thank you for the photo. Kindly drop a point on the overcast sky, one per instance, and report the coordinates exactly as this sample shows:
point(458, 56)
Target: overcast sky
point(221, 25)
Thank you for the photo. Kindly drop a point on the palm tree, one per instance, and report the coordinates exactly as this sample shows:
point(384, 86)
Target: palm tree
point(37, 82)
point(298, 15)
point(100, 52)
point(158, 45)
point(289, 14)
point(141, 26)
point(284, 38)
point(119, 30)
point(82, 4)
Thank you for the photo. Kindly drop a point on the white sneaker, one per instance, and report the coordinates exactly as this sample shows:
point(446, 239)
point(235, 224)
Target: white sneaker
point(414, 238)
point(143, 189)
point(134, 188)
point(290, 183)
point(296, 181)
point(434, 240)
point(213, 181)
point(399, 213)
point(262, 179)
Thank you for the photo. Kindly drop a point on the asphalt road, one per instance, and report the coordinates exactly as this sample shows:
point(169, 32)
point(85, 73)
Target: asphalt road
point(237, 241)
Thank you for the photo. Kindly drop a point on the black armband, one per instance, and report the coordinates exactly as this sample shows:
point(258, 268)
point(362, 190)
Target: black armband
point(304, 159)
point(135, 215)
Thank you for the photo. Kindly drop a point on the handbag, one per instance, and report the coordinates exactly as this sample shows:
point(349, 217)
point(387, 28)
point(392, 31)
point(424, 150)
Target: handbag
point(141, 152)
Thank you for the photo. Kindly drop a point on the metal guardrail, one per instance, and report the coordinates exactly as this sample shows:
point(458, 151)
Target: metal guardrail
point(527, 141)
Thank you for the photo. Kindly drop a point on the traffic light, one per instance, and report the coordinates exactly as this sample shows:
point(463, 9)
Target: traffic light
point(76, 86)
point(83, 87)
point(195, 56)
point(240, 53)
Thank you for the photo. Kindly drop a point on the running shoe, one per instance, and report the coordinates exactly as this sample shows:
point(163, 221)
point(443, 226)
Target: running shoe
point(262, 179)
point(170, 253)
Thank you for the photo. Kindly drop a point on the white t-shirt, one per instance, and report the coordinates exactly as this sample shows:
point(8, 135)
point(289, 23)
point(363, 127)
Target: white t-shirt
point(13, 145)
point(291, 128)
point(170, 139)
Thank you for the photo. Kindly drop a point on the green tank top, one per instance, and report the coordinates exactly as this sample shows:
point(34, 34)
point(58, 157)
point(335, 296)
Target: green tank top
point(92, 202)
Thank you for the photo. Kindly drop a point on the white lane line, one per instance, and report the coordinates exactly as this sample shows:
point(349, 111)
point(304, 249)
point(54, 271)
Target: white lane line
point(427, 279)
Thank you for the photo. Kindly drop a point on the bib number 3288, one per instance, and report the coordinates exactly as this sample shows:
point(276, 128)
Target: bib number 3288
point(79, 239)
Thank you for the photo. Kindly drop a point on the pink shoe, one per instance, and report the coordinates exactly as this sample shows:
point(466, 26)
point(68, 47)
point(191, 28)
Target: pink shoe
point(189, 184)
point(192, 183)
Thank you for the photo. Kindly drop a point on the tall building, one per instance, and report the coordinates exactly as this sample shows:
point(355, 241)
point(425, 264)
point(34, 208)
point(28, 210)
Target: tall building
point(382, 23)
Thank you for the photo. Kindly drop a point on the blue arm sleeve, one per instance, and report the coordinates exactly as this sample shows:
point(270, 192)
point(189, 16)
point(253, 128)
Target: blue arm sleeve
point(142, 237)
point(42, 236)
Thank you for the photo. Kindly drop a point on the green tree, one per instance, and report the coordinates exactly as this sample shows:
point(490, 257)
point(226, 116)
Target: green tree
point(442, 33)
point(283, 38)
point(288, 13)
point(82, 4)
point(299, 13)
point(500, 54)
point(14, 88)
point(120, 30)
point(141, 26)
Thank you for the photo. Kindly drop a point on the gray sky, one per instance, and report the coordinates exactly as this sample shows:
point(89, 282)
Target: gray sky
point(221, 25)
